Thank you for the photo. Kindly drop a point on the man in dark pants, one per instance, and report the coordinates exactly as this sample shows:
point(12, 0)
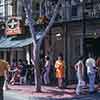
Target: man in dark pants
point(4, 66)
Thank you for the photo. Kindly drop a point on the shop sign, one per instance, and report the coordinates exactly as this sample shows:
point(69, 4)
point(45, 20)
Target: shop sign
point(13, 26)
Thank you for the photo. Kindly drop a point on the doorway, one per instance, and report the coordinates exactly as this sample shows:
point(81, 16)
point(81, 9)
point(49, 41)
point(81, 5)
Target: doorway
point(92, 45)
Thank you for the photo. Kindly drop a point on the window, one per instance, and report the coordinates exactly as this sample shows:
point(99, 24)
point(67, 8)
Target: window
point(74, 11)
point(0, 1)
point(37, 6)
point(1, 13)
point(9, 10)
point(77, 47)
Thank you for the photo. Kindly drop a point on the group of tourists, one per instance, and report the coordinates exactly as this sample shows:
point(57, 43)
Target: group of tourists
point(93, 67)
point(22, 73)
point(17, 73)
point(58, 69)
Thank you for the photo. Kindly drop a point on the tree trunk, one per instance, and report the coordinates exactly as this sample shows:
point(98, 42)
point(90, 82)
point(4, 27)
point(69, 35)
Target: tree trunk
point(36, 45)
point(37, 69)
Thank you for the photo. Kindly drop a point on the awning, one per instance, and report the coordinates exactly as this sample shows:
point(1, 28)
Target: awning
point(9, 42)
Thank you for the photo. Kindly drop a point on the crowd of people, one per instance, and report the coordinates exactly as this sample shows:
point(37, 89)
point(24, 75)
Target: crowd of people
point(22, 73)
point(92, 66)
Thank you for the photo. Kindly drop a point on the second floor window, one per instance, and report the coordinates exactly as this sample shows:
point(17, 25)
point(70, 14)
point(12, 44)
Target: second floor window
point(74, 11)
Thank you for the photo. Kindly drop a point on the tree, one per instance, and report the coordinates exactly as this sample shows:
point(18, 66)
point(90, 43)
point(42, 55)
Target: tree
point(36, 45)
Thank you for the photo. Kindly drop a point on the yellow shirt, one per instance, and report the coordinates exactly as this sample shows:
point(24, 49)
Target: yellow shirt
point(4, 66)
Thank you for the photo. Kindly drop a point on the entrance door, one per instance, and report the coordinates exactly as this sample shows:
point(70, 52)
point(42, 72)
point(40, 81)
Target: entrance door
point(92, 46)
point(97, 47)
point(89, 46)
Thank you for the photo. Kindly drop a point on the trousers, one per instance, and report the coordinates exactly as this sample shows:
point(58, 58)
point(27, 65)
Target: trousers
point(91, 77)
point(80, 84)
point(2, 79)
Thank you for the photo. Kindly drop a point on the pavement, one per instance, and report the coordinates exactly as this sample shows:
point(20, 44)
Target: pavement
point(25, 92)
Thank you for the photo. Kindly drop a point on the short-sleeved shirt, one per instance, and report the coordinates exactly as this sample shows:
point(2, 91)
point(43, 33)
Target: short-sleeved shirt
point(4, 66)
point(91, 65)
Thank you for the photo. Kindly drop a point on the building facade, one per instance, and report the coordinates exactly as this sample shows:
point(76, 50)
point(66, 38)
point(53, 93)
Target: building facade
point(75, 32)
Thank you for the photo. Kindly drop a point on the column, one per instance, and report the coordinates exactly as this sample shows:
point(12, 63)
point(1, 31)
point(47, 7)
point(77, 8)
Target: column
point(68, 54)
point(11, 56)
point(5, 55)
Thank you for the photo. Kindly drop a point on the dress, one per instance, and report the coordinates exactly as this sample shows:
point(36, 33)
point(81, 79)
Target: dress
point(59, 66)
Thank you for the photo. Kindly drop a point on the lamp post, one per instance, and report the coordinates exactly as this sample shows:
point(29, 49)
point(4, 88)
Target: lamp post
point(83, 27)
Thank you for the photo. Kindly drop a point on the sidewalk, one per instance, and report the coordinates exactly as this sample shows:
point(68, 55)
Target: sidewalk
point(51, 92)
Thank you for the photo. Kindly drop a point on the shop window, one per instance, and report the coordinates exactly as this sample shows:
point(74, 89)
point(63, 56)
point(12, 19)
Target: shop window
point(1, 54)
point(37, 6)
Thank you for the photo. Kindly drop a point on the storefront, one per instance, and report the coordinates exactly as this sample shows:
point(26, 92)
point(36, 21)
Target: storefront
point(13, 48)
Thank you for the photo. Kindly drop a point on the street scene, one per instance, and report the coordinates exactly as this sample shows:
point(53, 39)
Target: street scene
point(49, 49)
point(48, 93)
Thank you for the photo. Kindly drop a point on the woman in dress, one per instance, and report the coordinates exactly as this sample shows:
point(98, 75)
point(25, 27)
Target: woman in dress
point(59, 66)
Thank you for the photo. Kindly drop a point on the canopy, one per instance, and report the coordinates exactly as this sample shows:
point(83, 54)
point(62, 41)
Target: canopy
point(9, 42)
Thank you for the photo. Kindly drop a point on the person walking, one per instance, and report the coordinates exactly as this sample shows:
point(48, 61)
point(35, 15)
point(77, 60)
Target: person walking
point(91, 72)
point(59, 66)
point(4, 67)
point(79, 68)
point(47, 71)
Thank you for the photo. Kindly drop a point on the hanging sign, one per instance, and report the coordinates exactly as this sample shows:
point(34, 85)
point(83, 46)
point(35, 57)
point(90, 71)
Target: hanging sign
point(13, 26)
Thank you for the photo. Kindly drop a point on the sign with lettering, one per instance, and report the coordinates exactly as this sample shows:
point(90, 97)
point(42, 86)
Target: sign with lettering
point(13, 26)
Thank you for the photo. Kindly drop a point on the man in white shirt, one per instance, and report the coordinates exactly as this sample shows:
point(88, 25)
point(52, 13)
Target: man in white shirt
point(91, 72)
